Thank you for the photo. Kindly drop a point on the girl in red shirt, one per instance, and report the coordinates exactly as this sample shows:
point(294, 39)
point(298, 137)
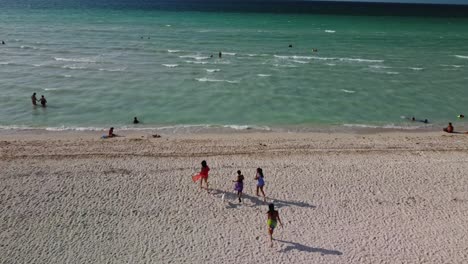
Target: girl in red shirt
point(204, 174)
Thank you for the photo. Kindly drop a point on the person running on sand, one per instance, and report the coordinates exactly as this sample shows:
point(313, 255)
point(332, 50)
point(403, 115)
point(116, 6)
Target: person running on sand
point(239, 185)
point(273, 219)
point(449, 128)
point(43, 101)
point(260, 183)
point(204, 174)
point(34, 99)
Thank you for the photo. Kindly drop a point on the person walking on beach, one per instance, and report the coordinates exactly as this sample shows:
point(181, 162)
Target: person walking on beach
point(34, 99)
point(273, 219)
point(260, 183)
point(204, 174)
point(43, 101)
point(239, 186)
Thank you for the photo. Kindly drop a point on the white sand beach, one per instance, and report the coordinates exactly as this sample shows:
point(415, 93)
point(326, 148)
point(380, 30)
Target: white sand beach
point(343, 198)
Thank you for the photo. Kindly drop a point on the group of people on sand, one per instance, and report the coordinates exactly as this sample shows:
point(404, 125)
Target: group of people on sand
point(272, 215)
point(34, 100)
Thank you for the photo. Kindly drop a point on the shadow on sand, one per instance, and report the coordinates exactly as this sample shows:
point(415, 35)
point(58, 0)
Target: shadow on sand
point(257, 201)
point(304, 248)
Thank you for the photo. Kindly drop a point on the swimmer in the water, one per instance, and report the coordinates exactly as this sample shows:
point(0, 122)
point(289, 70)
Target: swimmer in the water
point(43, 101)
point(34, 99)
point(135, 120)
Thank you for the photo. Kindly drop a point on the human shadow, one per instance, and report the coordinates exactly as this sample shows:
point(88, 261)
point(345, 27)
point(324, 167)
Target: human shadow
point(304, 248)
point(258, 200)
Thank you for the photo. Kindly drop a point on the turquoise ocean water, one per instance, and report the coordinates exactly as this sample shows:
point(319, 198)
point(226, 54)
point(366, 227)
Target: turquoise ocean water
point(101, 67)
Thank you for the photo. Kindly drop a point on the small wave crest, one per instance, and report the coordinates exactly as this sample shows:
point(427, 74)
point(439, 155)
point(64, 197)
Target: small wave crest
point(173, 51)
point(196, 62)
point(214, 80)
point(295, 57)
point(195, 57)
point(212, 70)
point(329, 31)
point(170, 65)
point(74, 67)
point(461, 56)
point(87, 60)
point(229, 53)
point(263, 75)
point(347, 91)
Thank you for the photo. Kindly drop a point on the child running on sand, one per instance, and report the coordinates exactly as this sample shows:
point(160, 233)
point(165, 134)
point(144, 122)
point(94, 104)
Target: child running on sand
point(239, 185)
point(273, 218)
point(204, 174)
point(260, 182)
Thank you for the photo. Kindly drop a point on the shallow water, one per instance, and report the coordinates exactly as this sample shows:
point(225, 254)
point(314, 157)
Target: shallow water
point(100, 68)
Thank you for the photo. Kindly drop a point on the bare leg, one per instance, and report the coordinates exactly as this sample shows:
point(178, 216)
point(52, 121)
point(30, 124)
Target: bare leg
point(270, 232)
point(207, 186)
point(264, 197)
point(258, 187)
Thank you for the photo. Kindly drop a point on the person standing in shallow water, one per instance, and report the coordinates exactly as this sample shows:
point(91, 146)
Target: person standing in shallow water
point(43, 101)
point(273, 219)
point(34, 99)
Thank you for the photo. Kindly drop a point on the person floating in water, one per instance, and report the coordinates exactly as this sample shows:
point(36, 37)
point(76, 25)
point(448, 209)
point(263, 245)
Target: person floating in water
point(43, 101)
point(314, 50)
point(449, 128)
point(34, 99)
point(220, 54)
point(461, 116)
point(3, 42)
point(273, 219)
point(290, 45)
point(425, 121)
point(239, 187)
point(135, 120)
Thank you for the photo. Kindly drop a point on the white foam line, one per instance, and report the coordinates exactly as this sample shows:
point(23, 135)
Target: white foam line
point(214, 80)
point(170, 65)
point(75, 59)
point(461, 57)
point(295, 57)
point(347, 91)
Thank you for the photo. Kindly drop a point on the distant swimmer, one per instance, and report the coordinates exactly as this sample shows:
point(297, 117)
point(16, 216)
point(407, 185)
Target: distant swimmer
point(290, 45)
point(135, 120)
point(43, 101)
point(211, 56)
point(425, 121)
point(34, 99)
point(3, 42)
point(449, 128)
point(314, 50)
point(220, 54)
point(461, 116)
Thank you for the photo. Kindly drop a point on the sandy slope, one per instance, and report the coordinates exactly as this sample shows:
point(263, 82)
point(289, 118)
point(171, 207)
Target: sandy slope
point(385, 198)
